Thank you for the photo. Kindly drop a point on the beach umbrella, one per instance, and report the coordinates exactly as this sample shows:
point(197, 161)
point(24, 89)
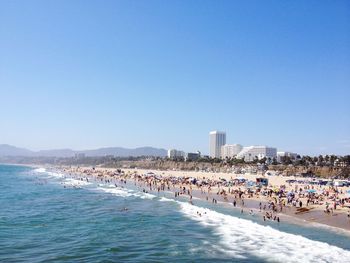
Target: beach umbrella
point(311, 191)
point(250, 184)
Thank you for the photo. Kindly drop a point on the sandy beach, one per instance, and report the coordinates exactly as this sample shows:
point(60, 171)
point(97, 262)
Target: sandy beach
point(326, 206)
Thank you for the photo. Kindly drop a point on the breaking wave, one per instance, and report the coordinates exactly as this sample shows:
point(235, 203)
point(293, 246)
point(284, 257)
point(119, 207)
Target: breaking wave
point(240, 237)
point(75, 182)
point(123, 192)
point(40, 170)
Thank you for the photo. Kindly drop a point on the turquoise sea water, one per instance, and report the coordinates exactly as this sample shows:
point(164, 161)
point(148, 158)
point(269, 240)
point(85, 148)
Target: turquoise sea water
point(43, 221)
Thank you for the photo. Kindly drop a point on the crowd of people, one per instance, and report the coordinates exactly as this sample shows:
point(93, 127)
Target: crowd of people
point(269, 200)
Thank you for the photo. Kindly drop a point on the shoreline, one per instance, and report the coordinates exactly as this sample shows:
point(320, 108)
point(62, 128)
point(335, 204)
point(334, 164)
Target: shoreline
point(108, 207)
point(315, 216)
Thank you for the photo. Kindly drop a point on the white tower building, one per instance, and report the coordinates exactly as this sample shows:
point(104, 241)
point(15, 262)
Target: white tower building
point(216, 140)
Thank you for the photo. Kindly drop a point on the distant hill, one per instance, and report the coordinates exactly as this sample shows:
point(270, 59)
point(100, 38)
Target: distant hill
point(124, 152)
point(9, 150)
point(55, 153)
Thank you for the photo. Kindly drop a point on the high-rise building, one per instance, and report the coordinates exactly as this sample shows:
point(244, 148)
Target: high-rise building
point(216, 140)
point(230, 150)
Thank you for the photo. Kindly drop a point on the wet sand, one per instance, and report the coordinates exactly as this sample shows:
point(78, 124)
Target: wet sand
point(315, 214)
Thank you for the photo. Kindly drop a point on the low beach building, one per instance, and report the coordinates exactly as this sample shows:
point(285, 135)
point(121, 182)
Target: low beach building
point(280, 155)
point(251, 153)
point(193, 156)
point(173, 153)
point(230, 150)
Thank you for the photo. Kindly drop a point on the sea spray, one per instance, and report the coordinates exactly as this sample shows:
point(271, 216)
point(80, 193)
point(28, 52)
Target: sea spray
point(240, 237)
point(124, 192)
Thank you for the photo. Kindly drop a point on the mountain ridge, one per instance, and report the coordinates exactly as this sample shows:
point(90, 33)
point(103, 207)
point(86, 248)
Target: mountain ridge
point(10, 150)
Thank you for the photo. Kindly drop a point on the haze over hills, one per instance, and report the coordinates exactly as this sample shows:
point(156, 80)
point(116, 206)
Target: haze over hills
point(9, 150)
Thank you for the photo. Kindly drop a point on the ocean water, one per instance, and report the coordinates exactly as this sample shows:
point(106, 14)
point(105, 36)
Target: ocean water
point(43, 221)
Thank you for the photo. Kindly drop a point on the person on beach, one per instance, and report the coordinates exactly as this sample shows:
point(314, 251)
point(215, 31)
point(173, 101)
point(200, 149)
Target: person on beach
point(274, 200)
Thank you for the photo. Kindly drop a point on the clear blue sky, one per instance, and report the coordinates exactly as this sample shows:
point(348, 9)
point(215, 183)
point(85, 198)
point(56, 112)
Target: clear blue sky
point(87, 74)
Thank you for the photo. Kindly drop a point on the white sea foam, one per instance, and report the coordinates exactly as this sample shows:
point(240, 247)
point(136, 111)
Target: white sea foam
point(40, 170)
point(75, 182)
point(164, 199)
point(50, 173)
point(53, 174)
point(240, 237)
point(124, 192)
point(116, 191)
point(145, 195)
